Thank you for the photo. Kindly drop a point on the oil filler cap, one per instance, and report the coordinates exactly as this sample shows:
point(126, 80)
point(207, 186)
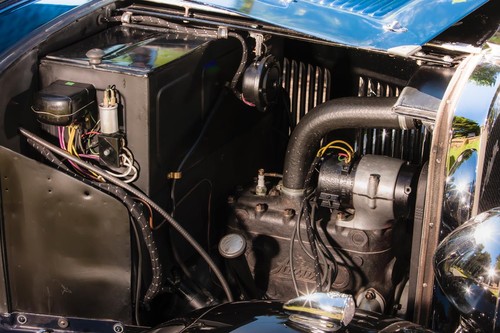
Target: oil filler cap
point(232, 246)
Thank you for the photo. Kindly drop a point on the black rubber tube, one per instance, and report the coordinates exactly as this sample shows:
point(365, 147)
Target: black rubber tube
point(350, 112)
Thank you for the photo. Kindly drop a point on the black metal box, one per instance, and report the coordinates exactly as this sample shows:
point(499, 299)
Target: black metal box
point(167, 83)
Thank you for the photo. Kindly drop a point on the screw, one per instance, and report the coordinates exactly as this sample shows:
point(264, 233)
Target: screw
point(118, 328)
point(21, 319)
point(62, 323)
point(106, 152)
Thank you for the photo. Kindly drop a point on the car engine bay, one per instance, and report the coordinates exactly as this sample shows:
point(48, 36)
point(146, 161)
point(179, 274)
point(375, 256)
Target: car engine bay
point(170, 161)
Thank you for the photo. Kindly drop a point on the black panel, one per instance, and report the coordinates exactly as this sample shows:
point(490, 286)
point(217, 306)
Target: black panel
point(67, 244)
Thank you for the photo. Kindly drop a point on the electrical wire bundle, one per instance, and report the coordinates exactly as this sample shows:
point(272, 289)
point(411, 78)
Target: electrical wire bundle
point(80, 139)
point(80, 143)
point(325, 264)
point(346, 153)
point(128, 194)
point(127, 160)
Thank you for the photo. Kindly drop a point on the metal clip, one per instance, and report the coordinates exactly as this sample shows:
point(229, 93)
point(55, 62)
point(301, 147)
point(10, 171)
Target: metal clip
point(259, 40)
point(222, 33)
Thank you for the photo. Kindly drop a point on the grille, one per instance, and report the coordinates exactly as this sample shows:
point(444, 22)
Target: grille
point(365, 7)
point(306, 85)
point(409, 145)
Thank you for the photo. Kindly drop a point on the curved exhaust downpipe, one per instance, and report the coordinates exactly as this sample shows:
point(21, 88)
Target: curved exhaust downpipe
point(350, 112)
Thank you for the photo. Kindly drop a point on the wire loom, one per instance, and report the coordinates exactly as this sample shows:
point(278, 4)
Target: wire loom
point(136, 213)
point(173, 223)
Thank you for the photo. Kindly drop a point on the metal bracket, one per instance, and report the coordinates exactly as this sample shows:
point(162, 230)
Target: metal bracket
point(222, 32)
point(259, 41)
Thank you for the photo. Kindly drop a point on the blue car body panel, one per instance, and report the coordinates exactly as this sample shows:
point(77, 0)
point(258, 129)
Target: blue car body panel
point(374, 24)
point(19, 18)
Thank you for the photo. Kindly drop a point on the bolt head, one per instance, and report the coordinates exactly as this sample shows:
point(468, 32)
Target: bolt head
point(21, 319)
point(260, 208)
point(62, 323)
point(370, 295)
point(118, 328)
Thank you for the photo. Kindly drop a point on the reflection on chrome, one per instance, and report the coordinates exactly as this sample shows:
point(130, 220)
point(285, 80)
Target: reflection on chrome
point(459, 190)
point(467, 265)
point(321, 311)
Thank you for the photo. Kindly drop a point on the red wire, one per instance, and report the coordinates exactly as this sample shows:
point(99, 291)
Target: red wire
point(90, 133)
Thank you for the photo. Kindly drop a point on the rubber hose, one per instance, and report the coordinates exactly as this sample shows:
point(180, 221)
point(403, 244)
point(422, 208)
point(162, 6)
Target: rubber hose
point(350, 112)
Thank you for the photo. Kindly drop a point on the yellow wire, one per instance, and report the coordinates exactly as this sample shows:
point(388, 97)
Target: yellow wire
point(338, 141)
point(71, 148)
point(349, 157)
point(70, 139)
point(323, 149)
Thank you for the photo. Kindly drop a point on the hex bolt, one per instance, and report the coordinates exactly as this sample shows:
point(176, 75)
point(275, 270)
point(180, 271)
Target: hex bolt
point(63, 323)
point(118, 328)
point(370, 295)
point(21, 319)
point(260, 208)
point(288, 213)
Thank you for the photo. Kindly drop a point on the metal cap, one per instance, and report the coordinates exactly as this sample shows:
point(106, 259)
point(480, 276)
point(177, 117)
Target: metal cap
point(321, 311)
point(95, 56)
point(232, 246)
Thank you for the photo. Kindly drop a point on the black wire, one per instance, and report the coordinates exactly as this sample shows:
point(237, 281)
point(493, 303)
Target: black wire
point(314, 249)
point(296, 231)
point(310, 234)
point(290, 250)
point(216, 106)
point(326, 252)
point(138, 275)
point(134, 191)
point(136, 213)
point(241, 67)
